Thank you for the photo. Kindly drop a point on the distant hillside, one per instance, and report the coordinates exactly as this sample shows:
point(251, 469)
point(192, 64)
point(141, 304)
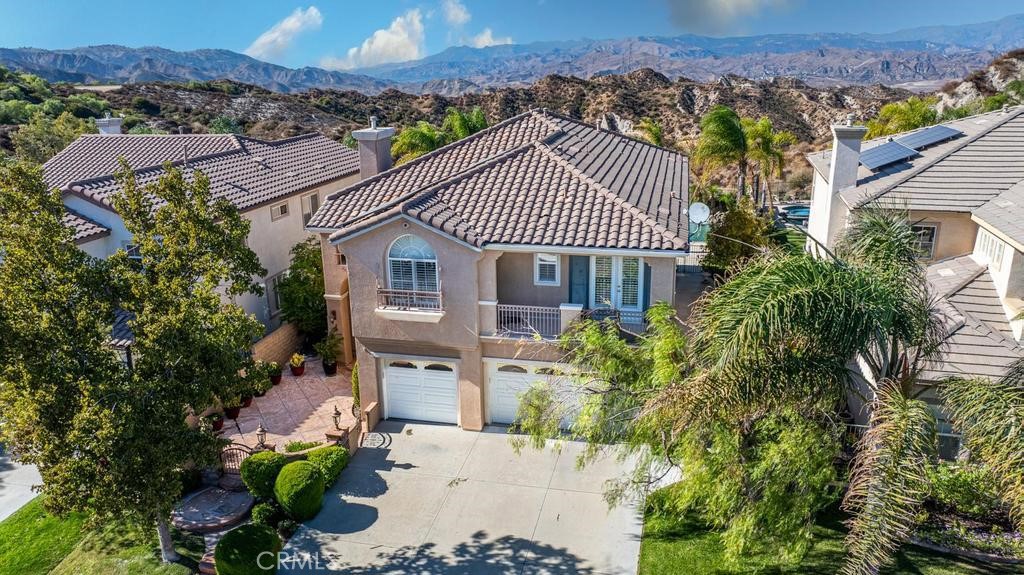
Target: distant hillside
point(923, 58)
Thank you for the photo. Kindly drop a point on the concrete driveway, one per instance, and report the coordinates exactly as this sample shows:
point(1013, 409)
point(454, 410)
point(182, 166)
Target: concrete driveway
point(16, 481)
point(435, 499)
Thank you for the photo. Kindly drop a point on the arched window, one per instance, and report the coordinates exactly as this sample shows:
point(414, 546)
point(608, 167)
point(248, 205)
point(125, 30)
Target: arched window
point(512, 369)
point(412, 265)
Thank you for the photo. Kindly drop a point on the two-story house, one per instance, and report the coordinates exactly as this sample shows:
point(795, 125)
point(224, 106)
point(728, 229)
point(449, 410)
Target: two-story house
point(452, 274)
point(277, 185)
point(962, 185)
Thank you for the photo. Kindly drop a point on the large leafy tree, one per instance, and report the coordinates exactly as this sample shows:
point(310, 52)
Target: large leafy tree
point(773, 347)
point(302, 291)
point(767, 148)
point(723, 142)
point(41, 138)
point(736, 234)
point(910, 114)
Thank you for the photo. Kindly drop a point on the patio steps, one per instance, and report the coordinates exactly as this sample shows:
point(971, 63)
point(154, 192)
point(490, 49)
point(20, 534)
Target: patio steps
point(206, 565)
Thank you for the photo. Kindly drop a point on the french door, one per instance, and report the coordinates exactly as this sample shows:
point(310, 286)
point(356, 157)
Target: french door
point(616, 283)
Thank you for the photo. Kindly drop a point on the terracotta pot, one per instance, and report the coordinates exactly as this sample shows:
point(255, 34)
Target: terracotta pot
point(260, 393)
point(330, 368)
point(297, 371)
point(218, 424)
point(246, 401)
point(232, 412)
point(275, 379)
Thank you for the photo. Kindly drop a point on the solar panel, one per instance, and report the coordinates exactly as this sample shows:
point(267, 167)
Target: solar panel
point(928, 136)
point(887, 153)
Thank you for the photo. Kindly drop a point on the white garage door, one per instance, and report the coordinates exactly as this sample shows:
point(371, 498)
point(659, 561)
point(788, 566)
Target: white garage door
point(506, 382)
point(421, 390)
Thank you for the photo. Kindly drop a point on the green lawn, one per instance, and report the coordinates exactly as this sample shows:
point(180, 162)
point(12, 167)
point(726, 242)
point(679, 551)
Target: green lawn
point(672, 546)
point(35, 543)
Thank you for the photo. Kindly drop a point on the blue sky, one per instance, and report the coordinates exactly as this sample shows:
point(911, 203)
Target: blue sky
point(346, 34)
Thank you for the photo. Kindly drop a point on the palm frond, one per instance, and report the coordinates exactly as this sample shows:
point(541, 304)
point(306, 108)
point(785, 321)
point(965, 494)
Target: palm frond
point(990, 415)
point(888, 481)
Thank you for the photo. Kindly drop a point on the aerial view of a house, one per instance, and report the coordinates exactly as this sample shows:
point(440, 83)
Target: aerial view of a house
point(454, 287)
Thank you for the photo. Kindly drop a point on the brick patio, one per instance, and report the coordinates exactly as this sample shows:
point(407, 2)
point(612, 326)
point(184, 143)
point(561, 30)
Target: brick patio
point(297, 409)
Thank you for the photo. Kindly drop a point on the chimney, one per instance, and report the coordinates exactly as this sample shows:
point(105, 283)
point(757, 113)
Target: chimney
point(845, 154)
point(108, 125)
point(374, 149)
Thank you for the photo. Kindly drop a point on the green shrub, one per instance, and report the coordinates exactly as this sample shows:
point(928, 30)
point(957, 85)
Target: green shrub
point(963, 488)
point(267, 513)
point(330, 460)
point(355, 384)
point(295, 446)
point(240, 550)
point(300, 490)
point(259, 472)
point(286, 528)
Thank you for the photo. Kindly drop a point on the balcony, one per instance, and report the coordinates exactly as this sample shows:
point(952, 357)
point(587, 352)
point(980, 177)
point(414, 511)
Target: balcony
point(409, 305)
point(529, 320)
point(549, 322)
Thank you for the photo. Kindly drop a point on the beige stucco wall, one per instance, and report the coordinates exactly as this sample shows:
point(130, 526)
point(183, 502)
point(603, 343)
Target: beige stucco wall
point(515, 282)
point(955, 235)
point(663, 279)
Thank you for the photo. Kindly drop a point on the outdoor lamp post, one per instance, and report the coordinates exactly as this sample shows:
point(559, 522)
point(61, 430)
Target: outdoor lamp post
point(261, 435)
point(336, 417)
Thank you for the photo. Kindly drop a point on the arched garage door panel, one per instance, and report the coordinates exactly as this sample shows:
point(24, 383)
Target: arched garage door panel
point(507, 381)
point(421, 390)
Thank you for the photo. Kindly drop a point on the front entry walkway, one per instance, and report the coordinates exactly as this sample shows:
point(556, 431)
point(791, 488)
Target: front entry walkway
point(439, 500)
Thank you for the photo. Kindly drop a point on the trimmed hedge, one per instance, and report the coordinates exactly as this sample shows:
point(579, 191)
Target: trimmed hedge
point(239, 551)
point(300, 490)
point(330, 460)
point(267, 513)
point(259, 472)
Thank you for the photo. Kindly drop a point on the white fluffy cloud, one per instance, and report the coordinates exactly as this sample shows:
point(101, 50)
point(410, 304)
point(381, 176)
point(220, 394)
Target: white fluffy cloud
point(455, 12)
point(717, 16)
point(486, 38)
point(401, 41)
point(279, 37)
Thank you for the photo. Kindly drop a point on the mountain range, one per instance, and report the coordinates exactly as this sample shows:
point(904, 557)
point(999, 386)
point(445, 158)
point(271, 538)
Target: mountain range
point(919, 58)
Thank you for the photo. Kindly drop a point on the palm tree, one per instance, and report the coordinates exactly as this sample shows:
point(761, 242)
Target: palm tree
point(650, 131)
point(896, 117)
point(768, 148)
point(723, 141)
point(459, 124)
point(782, 332)
point(417, 140)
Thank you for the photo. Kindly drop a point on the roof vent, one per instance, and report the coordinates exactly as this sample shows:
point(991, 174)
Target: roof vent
point(373, 122)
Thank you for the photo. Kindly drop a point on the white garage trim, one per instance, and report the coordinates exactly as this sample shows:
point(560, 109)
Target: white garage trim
point(416, 388)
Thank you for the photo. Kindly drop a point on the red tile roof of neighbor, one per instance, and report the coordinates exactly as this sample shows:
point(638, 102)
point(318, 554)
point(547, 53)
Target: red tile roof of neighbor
point(537, 179)
point(246, 171)
point(85, 229)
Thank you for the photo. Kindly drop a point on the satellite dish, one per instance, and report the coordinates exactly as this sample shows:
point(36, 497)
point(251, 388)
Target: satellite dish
point(699, 212)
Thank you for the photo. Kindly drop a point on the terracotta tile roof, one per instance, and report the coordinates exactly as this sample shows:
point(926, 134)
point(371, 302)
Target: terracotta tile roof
point(245, 171)
point(94, 155)
point(980, 341)
point(85, 229)
point(121, 335)
point(536, 178)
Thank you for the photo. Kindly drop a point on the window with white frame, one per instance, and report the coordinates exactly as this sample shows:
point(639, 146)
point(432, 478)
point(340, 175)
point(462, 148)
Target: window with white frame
point(133, 252)
point(412, 265)
point(991, 248)
point(279, 211)
point(274, 293)
point(926, 233)
point(546, 270)
point(310, 204)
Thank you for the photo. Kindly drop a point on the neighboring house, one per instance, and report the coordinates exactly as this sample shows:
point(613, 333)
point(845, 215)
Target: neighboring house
point(962, 183)
point(277, 185)
point(454, 272)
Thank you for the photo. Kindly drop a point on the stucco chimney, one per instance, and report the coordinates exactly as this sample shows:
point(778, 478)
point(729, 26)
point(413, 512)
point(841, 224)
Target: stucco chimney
point(374, 149)
point(109, 125)
point(845, 154)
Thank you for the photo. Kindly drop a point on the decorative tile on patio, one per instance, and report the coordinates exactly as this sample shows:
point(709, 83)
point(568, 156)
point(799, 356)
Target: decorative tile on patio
point(298, 409)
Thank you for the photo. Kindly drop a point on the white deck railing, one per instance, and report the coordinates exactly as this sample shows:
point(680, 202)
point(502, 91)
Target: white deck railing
point(529, 320)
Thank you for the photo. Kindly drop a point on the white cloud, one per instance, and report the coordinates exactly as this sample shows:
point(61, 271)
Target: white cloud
point(455, 12)
point(486, 38)
point(401, 41)
point(717, 16)
point(279, 37)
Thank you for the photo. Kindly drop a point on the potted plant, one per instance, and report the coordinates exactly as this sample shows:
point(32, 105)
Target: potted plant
point(275, 372)
point(297, 364)
point(328, 351)
point(233, 407)
point(216, 421)
point(263, 385)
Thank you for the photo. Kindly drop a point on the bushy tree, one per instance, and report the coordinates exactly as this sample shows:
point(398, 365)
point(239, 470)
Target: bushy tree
point(86, 105)
point(910, 114)
point(735, 235)
point(301, 292)
point(225, 125)
point(43, 137)
point(651, 131)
